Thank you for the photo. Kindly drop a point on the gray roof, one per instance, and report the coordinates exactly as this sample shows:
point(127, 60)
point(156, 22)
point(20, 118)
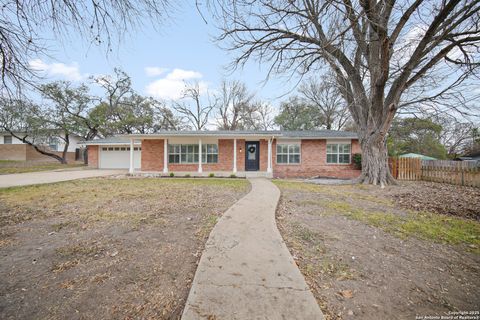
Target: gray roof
point(311, 134)
point(109, 140)
point(320, 134)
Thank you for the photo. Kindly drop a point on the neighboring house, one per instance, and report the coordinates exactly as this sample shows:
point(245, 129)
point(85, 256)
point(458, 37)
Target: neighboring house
point(416, 155)
point(324, 153)
point(472, 156)
point(12, 148)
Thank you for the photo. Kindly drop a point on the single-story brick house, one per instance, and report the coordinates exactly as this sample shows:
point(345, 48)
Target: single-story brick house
point(273, 153)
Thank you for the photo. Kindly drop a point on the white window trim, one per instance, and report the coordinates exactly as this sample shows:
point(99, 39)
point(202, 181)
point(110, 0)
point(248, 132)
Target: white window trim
point(338, 153)
point(288, 154)
point(198, 153)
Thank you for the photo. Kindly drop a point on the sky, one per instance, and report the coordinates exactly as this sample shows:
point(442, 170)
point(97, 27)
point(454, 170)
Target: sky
point(160, 59)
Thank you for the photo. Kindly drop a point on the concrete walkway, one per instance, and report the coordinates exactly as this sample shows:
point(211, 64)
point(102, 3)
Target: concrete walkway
point(24, 179)
point(246, 271)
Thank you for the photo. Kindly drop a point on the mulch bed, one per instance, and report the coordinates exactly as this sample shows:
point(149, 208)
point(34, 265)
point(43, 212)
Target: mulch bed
point(438, 198)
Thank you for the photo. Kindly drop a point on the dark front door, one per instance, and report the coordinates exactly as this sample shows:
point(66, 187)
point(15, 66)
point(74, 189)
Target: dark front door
point(252, 155)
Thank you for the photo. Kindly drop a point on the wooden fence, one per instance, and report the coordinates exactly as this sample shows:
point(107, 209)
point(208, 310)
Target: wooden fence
point(406, 168)
point(463, 173)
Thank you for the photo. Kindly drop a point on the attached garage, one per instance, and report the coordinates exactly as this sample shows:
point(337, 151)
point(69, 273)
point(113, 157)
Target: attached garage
point(118, 157)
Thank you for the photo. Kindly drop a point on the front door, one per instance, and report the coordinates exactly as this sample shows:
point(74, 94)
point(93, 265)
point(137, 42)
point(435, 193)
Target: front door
point(252, 155)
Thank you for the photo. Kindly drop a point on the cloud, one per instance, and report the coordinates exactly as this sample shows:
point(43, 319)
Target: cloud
point(62, 70)
point(179, 74)
point(154, 71)
point(172, 85)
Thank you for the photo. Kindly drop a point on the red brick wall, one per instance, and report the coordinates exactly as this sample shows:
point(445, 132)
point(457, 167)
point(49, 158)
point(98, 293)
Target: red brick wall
point(152, 155)
point(313, 159)
point(356, 148)
point(240, 155)
point(225, 157)
point(263, 155)
point(313, 162)
point(92, 156)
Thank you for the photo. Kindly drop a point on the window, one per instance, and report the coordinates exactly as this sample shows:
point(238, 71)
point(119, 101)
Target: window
point(7, 139)
point(188, 153)
point(338, 153)
point(288, 153)
point(209, 153)
point(53, 143)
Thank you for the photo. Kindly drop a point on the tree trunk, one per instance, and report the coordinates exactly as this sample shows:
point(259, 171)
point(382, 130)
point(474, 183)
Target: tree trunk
point(37, 148)
point(65, 148)
point(375, 169)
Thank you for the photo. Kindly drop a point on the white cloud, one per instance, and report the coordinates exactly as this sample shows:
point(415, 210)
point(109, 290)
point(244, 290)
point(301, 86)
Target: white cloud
point(69, 72)
point(179, 74)
point(172, 85)
point(154, 71)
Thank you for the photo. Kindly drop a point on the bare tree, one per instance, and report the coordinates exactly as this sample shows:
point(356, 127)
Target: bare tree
point(323, 94)
point(456, 135)
point(378, 50)
point(234, 105)
point(101, 22)
point(198, 114)
point(264, 119)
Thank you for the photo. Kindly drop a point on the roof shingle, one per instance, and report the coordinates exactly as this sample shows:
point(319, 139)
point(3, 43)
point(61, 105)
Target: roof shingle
point(310, 134)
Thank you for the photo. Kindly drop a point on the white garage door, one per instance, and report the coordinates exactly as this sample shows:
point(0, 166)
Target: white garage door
point(115, 157)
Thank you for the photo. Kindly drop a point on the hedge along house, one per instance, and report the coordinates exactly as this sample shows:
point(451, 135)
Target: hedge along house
point(281, 154)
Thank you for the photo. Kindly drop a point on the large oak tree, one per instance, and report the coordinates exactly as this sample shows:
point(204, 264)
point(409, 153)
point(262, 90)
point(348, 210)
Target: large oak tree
point(381, 52)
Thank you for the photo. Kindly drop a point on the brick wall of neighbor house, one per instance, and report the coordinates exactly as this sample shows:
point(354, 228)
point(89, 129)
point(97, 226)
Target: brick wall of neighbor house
point(34, 155)
point(92, 156)
point(13, 152)
point(314, 163)
point(152, 155)
point(24, 152)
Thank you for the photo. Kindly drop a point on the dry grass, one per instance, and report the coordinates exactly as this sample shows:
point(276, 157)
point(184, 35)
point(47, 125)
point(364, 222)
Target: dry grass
point(364, 252)
point(376, 208)
point(11, 167)
point(133, 201)
point(106, 248)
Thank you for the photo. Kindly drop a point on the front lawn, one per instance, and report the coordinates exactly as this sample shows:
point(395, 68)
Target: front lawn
point(106, 248)
point(10, 167)
point(385, 252)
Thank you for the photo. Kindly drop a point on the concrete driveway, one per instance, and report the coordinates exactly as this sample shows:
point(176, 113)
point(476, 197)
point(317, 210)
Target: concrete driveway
point(24, 179)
